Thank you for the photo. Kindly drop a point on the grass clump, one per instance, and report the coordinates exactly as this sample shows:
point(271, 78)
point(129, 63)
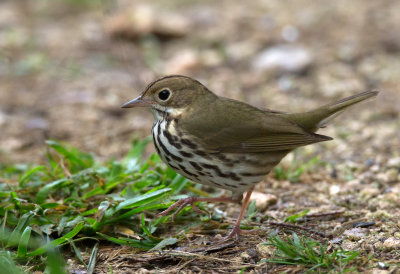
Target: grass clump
point(75, 198)
point(310, 253)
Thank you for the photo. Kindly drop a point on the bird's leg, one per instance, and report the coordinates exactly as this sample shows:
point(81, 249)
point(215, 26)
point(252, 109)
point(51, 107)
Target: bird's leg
point(190, 201)
point(236, 231)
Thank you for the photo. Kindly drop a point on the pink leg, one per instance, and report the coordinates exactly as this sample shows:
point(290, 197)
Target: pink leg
point(236, 231)
point(190, 201)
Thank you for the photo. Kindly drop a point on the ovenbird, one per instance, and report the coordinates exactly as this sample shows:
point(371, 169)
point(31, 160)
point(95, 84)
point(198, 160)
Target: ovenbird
point(225, 143)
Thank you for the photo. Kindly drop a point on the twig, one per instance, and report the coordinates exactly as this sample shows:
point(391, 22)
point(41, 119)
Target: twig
point(298, 227)
point(200, 256)
point(346, 226)
point(324, 214)
point(178, 268)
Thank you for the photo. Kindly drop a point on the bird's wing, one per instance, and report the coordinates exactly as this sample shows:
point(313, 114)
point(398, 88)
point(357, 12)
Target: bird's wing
point(232, 126)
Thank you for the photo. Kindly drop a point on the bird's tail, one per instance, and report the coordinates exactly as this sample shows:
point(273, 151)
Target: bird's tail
point(317, 118)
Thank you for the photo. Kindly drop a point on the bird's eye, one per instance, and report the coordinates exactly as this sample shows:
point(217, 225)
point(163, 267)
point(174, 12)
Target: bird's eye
point(164, 94)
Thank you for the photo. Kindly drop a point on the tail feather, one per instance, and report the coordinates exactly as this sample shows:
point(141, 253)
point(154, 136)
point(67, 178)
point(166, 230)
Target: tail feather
point(317, 118)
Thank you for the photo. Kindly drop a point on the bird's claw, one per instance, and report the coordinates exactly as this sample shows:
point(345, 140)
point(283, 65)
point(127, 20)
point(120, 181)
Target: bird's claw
point(180, 205)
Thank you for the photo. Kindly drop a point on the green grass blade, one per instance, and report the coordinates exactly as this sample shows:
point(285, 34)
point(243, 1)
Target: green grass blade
point(7, 264)
point(58, 241)
point(23, 222)
point(28, 175)
point(142, 199)
point(55, 263)
point(294, 218)
point(92, 260)
point(77, 252)
point(164, 243)
point(23, 242)
point(117, 241)
point(44, 191)
point(131, 242)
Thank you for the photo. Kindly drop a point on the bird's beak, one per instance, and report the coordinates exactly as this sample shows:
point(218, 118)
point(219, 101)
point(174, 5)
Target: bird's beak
point(137, 102)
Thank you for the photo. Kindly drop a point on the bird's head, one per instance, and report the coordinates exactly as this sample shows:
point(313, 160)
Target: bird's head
point(171, 95)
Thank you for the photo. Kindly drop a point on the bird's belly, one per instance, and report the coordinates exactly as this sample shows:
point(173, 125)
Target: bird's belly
point(232, 171)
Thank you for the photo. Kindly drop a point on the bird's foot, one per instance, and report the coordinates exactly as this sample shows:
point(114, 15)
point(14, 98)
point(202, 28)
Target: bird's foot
point(180, 204)
point(235, 234)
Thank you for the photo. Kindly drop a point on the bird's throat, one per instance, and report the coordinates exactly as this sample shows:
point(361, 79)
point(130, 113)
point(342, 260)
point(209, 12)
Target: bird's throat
point(161, 113)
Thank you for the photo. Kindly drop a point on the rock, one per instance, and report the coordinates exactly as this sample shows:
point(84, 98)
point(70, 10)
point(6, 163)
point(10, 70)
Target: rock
point(349, 245)
point(391, 243)
point(375, 168)
point(250, 255)
point(392, 175)
point(355, 234)
point(211, 58)
point(382, 265)
point(130, 24)
point(287, 58)
point(394, 162)
point(182, 62)
point(369, 192)
point(389, 176)
point(241, 50)
point(290, 33)
point(245, 256)
point(378, 245)
point(140, 20)
point(334, 189)
point(265, 251)
point(263, 200)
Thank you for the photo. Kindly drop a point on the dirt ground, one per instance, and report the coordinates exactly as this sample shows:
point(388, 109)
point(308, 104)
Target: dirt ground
point(67, 66)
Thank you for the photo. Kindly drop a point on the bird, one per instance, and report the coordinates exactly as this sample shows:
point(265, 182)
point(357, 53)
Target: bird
point(226, 143)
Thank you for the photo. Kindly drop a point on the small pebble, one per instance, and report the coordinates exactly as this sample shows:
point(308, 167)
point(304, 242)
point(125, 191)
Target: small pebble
point(334, 189)
point(382, 265)
point(263, 200)
point(355, 234)
point(349, 245)
point(265, 251)
point(369, 192)
point(394, 162)
point(391, 175)
point(391, 243)
point(288, 58)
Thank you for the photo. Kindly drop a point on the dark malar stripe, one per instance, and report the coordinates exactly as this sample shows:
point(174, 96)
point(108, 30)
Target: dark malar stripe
point(155, 144)
point(155, 141)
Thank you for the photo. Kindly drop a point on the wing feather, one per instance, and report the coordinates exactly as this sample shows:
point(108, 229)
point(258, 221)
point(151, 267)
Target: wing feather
point(232, 126)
